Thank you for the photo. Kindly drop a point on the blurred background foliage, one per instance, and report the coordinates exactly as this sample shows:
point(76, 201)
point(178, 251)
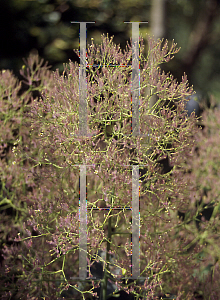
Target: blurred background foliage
point(45, 26)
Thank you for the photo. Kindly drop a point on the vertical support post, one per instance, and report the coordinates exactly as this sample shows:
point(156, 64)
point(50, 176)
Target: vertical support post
point(135, 79)
point(82, 81)
point(83, 225)
point(135, 169)
point(135, 84)
point(135, 223)
point(82, 132)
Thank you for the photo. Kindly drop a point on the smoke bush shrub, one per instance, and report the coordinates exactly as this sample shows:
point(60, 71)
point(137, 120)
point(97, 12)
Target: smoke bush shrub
point(54, 149)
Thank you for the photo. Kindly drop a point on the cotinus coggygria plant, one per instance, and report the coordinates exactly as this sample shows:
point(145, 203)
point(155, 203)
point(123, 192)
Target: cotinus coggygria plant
point(57, 151)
